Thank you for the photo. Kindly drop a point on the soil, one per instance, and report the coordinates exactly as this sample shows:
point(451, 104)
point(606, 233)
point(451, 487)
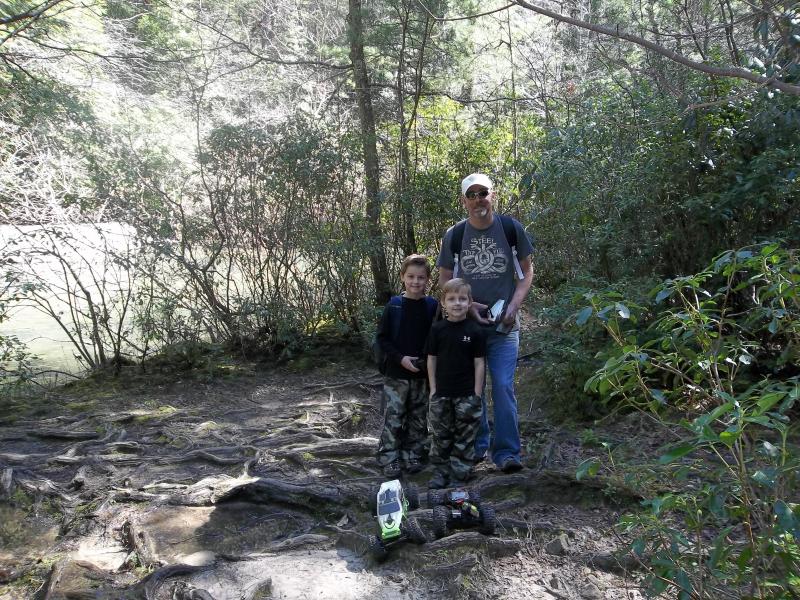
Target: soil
point(261, 484)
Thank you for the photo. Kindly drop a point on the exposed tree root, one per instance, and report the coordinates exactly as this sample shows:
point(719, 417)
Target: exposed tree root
point(364, 446)
point(306, 539)
point(345, 468)
point(200, 455)
point(464, 565)
point(312, 496)
point(149, 586)
point(58, 571)
point(323, 387)
point(494, 546)
point(138, 543)
point(183, 591)
point(6, 482)
point(63, 434)
point(43, 487)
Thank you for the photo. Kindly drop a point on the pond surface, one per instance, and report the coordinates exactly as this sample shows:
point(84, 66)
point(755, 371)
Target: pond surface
point(40, 332)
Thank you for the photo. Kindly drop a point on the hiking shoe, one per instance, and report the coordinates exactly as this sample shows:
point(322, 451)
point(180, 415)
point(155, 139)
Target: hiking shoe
point(511, 465)
point(438, 481)
point(413, 466)
point(479, 459)
point(392, 469)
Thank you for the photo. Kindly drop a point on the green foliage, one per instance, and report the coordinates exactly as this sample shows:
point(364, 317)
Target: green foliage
point(721, 347)
point(570, 347)
point(624, 192)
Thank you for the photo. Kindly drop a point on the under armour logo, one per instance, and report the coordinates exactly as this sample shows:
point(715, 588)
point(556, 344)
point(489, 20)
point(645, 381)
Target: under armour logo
point(467, 339)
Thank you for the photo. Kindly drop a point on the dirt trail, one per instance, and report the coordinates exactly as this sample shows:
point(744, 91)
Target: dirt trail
point(260, 487)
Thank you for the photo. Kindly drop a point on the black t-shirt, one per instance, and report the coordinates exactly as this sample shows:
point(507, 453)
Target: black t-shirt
point(455, 346)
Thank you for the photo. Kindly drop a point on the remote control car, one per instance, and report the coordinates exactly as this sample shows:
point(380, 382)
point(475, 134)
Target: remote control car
point(460, 508)
point(394, 503)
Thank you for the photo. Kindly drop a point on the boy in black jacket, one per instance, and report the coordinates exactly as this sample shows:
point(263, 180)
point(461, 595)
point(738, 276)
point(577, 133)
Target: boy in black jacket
point(404, 326)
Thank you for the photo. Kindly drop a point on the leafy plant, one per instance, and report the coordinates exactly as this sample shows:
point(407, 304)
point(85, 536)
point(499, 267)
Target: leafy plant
point(721, 348)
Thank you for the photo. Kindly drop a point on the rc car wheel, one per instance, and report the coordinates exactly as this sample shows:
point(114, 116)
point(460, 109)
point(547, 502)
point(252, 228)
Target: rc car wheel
point(488, 520)
point(441, 515)
point(435, 497)
point(412, 495)
point(414, 532)
point(377, 549)
point(475, 496)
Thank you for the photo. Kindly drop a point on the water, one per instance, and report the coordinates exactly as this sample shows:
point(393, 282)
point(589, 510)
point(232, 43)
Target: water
point(86, 246)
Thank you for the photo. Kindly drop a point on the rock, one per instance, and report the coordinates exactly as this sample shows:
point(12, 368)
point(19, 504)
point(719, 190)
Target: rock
point(262, 590)
point(7, 574)
point(76, 579)
point(591, 592)
point(558, 546)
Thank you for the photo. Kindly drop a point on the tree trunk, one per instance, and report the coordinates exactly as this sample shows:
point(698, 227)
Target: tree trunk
point(377, 256)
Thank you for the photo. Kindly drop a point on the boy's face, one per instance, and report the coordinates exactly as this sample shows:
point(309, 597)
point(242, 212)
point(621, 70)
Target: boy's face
point(456, 304)
point(415, 279)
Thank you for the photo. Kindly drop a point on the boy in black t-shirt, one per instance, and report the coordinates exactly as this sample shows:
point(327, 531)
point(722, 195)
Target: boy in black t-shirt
point(404, 326)
point(456, 348)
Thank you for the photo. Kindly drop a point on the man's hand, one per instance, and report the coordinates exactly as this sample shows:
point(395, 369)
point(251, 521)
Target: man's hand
point(408, 363)
point(475, 311)
point(510, 316)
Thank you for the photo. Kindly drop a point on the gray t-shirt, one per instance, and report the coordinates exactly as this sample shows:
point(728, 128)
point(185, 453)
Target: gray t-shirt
point(485, 260)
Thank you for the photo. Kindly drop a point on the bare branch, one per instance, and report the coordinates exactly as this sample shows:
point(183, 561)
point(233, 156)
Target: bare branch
point(467, 17)
point(33, 13)
point(735, 72)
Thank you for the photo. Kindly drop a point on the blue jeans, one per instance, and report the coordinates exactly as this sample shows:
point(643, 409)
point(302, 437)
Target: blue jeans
point(501, 362)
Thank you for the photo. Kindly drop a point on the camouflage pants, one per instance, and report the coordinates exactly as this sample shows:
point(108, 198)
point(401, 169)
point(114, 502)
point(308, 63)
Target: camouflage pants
point(405, 427)
point(454, 422)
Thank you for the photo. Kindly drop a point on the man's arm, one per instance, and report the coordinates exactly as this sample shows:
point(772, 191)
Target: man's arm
point(432, 374)
point(445, 275)
point(522, 289)
point(480, 374)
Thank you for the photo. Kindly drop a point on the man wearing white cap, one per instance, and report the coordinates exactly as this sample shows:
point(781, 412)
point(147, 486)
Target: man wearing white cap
point(493, 254)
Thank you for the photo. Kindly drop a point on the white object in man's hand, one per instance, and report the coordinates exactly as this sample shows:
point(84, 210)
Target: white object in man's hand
point(497, 310)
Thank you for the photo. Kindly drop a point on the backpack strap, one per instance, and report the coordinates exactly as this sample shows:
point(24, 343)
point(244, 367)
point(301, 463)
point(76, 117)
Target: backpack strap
point(511, 237)
point(510, 231)
point(395, 312)
point(455, 243)
point(432, 305)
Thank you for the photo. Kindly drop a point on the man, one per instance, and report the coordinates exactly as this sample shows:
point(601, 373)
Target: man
point(486, 260)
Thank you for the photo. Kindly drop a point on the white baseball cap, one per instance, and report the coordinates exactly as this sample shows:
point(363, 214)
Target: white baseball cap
point(475, 179)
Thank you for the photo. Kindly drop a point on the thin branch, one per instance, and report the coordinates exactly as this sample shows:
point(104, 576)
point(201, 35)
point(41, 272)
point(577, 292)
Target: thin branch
point(735, 72)
point(33, 13)
point(464, 18)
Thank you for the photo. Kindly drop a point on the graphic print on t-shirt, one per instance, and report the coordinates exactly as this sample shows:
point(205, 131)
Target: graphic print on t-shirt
point(484, 259)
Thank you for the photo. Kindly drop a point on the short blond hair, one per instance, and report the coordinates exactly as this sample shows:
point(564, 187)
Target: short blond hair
point(418, 260)
point(456, 285)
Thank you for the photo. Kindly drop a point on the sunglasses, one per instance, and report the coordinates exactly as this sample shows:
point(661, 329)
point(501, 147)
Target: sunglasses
point(473, 195)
